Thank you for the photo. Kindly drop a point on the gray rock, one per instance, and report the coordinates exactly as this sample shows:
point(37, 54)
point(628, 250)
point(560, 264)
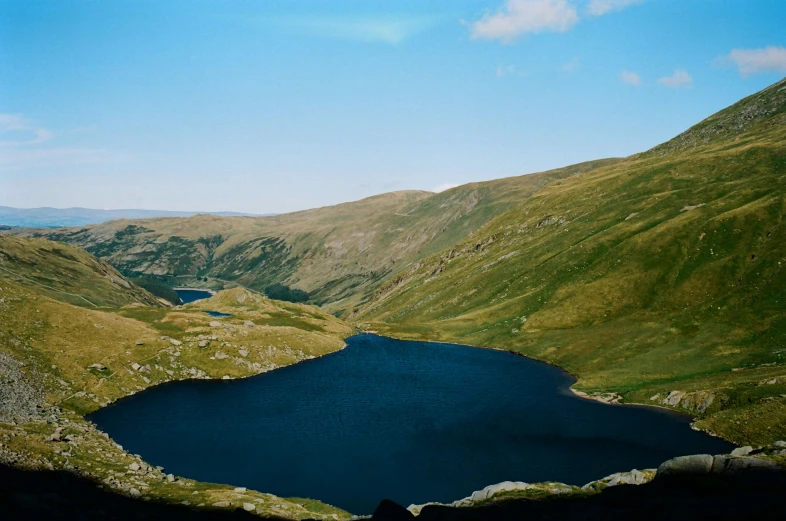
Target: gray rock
point(634, 477)
point(241, 489)
point(97, 367)
point(673, 398)
point(135, 366)
point(249, 507)
point(742, 451)
point(248, 323)
point(134, 492)
point(697, 464)
point(204, 343)
point(505, 486)
point(780, 444)
point(221, 504)
point(175, 342)
point(134, 466)
point(215, 323)
point(170, 478)
point(732, 465)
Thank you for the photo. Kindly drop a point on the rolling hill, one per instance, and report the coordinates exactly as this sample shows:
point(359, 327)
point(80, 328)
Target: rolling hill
point(339, 254)
point(659, 279)
point(59, 361)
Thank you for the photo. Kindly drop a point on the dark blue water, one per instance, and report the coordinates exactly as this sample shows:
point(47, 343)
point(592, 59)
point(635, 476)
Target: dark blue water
point(192, 295)
point(409, 421)
point(218, 314)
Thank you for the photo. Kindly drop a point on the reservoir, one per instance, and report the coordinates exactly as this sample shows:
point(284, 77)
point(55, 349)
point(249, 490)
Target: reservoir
point(408, 421)
point(192, 295)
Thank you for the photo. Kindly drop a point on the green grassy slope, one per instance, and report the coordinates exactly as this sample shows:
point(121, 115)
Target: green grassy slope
point(67, 273)
point(59, 361)
point(662, 273)
point(339, 254)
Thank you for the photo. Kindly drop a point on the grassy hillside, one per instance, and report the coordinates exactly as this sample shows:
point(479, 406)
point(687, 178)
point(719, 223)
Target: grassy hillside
point(60, 361)
point(67, 273)
point(659, 278)
point(338, 254)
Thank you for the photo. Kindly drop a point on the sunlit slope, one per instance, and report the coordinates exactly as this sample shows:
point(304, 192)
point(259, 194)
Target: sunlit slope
point(60, 361)
point(338, 253)
point(67, 273)
point(664, 272)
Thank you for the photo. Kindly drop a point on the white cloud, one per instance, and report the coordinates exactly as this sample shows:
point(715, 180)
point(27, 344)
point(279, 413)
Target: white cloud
point(572, 66)
point(751, 61)
point(601, 7)
point(368, 30)
point(518, 17)
point(22, 142)
point(443, 187)
point(505, 70)
point(24, 131)
point(680, 78)
point(631, 78)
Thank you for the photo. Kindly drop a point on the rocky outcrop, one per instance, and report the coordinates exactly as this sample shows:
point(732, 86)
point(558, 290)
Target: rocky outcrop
point(697, 401)
point(706, 464)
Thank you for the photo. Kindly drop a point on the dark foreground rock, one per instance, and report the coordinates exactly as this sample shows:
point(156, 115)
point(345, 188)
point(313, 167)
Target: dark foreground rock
point(690, 490)
point(60, 496)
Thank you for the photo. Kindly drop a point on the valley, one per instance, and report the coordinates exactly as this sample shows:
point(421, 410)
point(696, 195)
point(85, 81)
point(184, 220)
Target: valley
point(655, 279)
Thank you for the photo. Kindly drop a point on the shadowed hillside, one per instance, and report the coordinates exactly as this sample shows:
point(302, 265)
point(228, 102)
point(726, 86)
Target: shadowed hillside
point(659, 279)
point(67, 273)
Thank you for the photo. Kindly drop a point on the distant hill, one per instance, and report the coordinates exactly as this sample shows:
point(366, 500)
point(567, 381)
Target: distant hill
point(46, 217)
point(338, 254)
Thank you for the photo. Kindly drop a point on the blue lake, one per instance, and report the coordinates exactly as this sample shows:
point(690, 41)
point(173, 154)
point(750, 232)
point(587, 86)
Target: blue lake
point(408, 421)
point(192, 295)
point(218, 314)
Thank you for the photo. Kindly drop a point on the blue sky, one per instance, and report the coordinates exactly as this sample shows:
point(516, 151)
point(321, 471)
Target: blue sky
point(272, 106)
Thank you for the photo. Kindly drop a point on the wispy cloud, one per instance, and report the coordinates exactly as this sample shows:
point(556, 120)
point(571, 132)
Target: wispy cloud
point(572, 66)
point(518, 17)
point(631, 78)
point(18, 131)
point(753, 61)
point(680, 78)
point(27, 145)
point(389, 30)
point(601, 7)
point(443, 187)
point(508, 70)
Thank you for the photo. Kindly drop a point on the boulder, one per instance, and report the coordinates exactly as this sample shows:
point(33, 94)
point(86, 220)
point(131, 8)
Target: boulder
point(221, 504)
point(98, 367)
point(215, 323)
point(742, 451)
point(697, 464)
point(134, 466)
point(175, 342)
point(634, 477)
point(248, 323)
point(170, 478)
point(673, 398)
point(135, 366)
point(780, 444)
point(505, 486)
point(731, 465)
point(134, 492)
point(243, 353)
point(204, 343)
point(241, 489)
point(249, 507)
